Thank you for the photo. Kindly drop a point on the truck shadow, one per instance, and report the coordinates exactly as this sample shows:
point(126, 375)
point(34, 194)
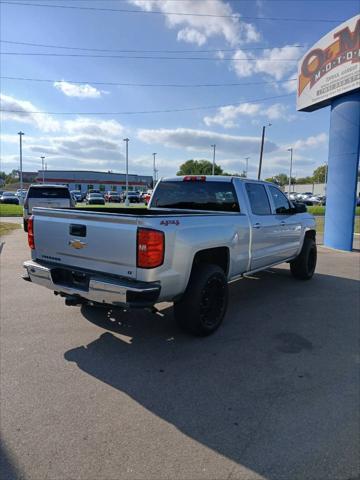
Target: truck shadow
point(256, 391)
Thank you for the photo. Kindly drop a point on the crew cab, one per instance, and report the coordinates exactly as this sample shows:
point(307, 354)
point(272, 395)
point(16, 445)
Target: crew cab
point(199, 234)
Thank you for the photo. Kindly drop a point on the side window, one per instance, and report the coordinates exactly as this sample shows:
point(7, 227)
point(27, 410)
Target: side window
point(281, 203)
point(259, 201)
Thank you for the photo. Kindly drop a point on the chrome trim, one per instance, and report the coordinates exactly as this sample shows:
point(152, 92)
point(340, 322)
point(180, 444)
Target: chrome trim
point(102, 289)
point(251, 272)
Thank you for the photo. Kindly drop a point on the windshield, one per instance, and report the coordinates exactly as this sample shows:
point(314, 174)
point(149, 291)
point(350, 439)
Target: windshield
point(212, 196)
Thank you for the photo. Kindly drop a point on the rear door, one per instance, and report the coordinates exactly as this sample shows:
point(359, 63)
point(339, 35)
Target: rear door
point(290, 236)
point(265, 228)
point(52, 197)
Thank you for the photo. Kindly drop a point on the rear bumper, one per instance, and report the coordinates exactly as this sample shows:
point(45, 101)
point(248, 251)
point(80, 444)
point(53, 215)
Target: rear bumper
point(93, 287)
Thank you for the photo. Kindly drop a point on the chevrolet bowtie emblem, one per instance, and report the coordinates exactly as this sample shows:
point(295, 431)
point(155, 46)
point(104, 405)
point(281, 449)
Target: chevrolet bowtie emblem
point(77, 244)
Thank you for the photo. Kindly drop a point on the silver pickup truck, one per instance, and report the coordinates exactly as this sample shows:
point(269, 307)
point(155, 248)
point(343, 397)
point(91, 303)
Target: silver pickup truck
point(199, 234)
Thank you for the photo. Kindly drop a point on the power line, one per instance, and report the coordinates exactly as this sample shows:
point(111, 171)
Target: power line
point(140, 50)
point(158, 12)
point(170, 110)
point(130, 84)
point(147, 57)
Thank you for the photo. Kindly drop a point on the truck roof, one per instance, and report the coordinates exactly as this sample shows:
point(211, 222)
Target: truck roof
point(47, 185)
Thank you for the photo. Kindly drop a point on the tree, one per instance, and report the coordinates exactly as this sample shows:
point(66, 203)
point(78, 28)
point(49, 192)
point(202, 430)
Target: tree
point(198, 167)
point(319, 174)
point(281, 179)
point(304, 180)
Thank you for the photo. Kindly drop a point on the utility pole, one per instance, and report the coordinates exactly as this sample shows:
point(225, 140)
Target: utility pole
point(126, 140)
point(291, 161)
point(21, 172)
point(154, 170)
point(42, 166)
point(262, 148)
point(213, 165)
point(247, 166)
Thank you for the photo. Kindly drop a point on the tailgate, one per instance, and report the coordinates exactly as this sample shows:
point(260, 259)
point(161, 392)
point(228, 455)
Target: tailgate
point(48, 203)
point(101, 242)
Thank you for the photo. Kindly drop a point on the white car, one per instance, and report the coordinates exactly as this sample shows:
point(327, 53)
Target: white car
point(42, 195)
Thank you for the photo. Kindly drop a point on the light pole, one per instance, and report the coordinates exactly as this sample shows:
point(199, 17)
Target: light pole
point(126, 140)
point(262, 148)
point(247, 166)
point(291, 161)
point(21, 172)
point(42, 166)
point(154, 169)
point(213, 165)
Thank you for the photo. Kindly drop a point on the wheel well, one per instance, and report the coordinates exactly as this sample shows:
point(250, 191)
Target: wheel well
point(216, 256)
point(310, 234)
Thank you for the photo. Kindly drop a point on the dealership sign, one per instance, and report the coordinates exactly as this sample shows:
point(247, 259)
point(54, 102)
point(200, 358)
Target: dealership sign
point(331, 67)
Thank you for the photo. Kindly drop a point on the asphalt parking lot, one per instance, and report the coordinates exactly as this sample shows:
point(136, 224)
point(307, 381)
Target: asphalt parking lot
point(94, 394)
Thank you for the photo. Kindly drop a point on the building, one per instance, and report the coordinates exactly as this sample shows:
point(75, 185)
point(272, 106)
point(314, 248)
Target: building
point(88, 179)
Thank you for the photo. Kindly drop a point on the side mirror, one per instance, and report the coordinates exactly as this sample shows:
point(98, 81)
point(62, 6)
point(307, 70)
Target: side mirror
point(299, 207)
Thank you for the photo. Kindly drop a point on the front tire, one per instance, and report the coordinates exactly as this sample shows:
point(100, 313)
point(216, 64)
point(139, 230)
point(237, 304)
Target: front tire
point(303, 267)
point(202, 308)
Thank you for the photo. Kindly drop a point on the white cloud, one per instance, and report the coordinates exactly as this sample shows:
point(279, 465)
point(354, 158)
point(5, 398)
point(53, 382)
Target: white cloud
point(227, 116)
point(311, 142)
point(275, 62)
point(78, 90)
point(196, 29)
point(22, 111)
point(190, 35)
point(200, 140)
point(93, 126)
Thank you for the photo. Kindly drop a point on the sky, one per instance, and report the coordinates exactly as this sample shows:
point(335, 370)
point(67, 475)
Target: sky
point(227, 73)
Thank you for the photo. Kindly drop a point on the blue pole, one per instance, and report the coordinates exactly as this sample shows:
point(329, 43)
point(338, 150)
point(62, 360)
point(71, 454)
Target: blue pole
point(343, 167)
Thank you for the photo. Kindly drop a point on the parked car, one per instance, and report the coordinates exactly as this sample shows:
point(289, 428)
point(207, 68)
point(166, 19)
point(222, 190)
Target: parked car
point(77, 195)
point(113, 197)
point(95, 199)
point(198, 234)
point(134, 197)
point(147, 197)
point(314, 199)
point(9, 197)
point(46, 195)
point(21, 193)
point(92, 190)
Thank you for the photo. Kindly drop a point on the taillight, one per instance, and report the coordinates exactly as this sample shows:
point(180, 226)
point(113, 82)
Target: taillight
point(194, 178)
point(31, 238)
point(150, 248)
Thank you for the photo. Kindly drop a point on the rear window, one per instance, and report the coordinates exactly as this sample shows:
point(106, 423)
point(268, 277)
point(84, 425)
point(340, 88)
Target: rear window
point(48, 192)
point(259, 200)
point(212, 196)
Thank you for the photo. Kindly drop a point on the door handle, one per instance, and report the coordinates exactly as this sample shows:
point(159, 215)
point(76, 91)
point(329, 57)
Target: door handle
point(283, 223)
point(257, 225)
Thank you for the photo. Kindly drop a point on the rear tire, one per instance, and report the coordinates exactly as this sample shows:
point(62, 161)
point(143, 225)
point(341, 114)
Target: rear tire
point(202, 308)
point(303, 267)
point(25, 223)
